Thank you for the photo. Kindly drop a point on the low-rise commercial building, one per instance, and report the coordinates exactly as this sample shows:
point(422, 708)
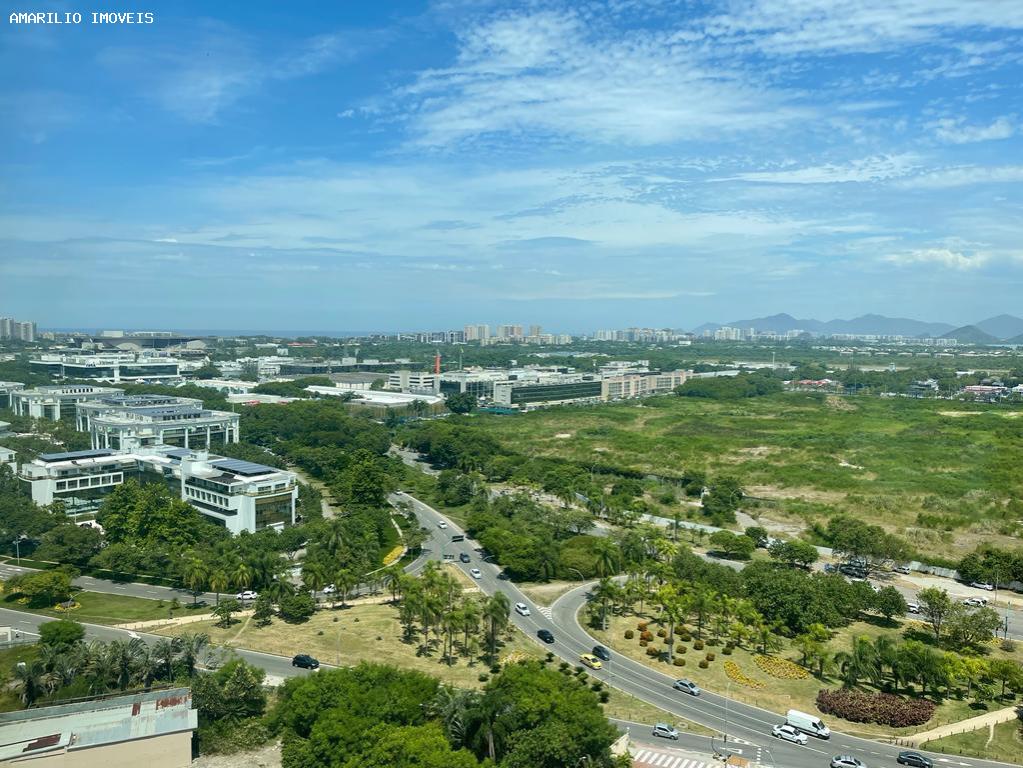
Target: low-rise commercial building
point(56, 402)
point(109, 367)
point(240, 495)
point(8, 388)
point(150, 728)
point(620, 386)
point(414, 382)
point(134, 421)
point(479, 383)
point(561, 390)
point(7, 455)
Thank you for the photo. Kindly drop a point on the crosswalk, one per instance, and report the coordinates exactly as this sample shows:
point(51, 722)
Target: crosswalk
point(545, 611)
point(651, 758)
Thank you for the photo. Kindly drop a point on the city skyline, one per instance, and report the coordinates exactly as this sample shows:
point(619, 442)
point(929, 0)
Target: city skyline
point(361, 167)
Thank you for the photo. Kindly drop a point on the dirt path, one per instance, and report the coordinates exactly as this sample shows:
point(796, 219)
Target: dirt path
point(265, 757)
point(328, 509)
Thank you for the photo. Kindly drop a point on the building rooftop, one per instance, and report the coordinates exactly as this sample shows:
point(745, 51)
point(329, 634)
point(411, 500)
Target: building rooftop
point(72, 455)
point(96, 722)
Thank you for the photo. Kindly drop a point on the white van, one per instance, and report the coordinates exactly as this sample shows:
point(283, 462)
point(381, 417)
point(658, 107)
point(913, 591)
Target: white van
point(810, 724)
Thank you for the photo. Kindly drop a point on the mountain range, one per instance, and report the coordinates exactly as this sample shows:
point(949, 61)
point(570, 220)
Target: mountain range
point(993, 330)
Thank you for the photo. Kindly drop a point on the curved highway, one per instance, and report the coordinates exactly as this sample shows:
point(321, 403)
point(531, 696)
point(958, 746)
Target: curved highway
point(748, 728)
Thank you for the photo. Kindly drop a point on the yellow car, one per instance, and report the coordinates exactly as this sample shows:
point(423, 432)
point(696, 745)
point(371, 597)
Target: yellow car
point(591, 661)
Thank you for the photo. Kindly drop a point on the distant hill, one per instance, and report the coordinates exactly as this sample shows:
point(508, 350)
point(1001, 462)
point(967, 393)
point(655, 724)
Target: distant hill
point(1002, 326)
point(865, 324)
point(1015, 340)
point(971, 334)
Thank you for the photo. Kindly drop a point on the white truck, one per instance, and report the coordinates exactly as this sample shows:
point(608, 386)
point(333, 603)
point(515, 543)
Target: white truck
point(807, 723)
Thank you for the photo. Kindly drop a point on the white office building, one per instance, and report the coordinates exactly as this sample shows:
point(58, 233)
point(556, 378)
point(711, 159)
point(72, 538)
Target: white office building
point(137, 421)
point(240, 495)
point(112, 367)
point(7, 457)
point(414, 382)
point(56, 402)
point(7, 388)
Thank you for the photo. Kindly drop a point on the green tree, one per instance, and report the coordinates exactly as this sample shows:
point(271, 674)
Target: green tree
point(794, 552)
point(234, 691)
point(296, 608)
point(225, 610)
point(70, 544)
point(42, 588)
point(462, 402)
point(723, 499)
point(936, 606)
point(62, 634)
point(732, 545)
point(263, 610)
point(970, 629)
point(889, 602)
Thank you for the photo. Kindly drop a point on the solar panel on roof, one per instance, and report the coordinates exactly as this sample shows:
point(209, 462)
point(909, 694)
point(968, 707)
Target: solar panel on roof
point(240, 467)
point(74, 455)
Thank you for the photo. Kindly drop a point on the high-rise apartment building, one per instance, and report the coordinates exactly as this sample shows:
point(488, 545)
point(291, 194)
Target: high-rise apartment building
point(509, 332)
point(16, 329)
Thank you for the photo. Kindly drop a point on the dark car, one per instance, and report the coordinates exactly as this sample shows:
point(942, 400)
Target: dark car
point(546, 635)
point(458, 537)
point(464, 557)
point(602, 653)
point(305, 661)
point(914, 759)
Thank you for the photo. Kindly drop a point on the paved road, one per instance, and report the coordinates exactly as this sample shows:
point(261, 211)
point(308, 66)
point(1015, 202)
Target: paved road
point(739, 721)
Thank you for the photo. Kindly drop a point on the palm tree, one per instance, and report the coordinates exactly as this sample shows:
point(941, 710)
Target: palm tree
point(391, 577)
point(241, 574)
point(32, 680)
point(701, 606)
point(192, 647)
point(607, 557)
point(195, 574)
point(219, 580)
point(470, 619)
point(278, 588)
point(495, 613)
point(314, 575)
point(858, 663)
point(604, 593)
point(123, 659)
point(165, 651)
point(452, 707)
point(335, 538)
point(485, 731)
point(344, 580)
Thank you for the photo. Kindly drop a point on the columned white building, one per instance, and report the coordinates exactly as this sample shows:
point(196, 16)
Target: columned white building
point(239, 495)
point(55, 402)
point(134, 421)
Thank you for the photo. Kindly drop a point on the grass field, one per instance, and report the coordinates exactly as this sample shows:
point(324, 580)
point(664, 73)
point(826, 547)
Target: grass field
point(929, 468)
point(1003, 742)
point(102, 608)
point(776, 694)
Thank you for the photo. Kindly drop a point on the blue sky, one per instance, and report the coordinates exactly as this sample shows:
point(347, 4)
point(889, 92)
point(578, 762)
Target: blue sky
point(357, 165)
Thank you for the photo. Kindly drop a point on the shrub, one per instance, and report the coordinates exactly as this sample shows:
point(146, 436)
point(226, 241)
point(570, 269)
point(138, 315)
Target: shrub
point(605, 697)
point(727, 651)
point(713, 641)
point(668, 641)
point(647, 635)
point(642, 643)
point(563, 666)
point(685, 636)
point(296, 608)
point(651, 651)
point(679, 661)
point(882, 708)
point(629, 634)
point(703, 664)
point(781, 668)
point(737, 675)
point(681, 649)
point(710, 657)
point(483, 677)
point(729, 644)
point(698, 645)
point(680, 629)
point(642, 626)
point(595, 687)
point(495, 669)
point(661, 632)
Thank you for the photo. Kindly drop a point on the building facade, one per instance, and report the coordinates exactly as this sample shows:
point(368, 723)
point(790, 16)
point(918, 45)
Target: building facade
point(239, 495)
point(414, 382)
point(137, 421)
point(108, 367)
point(56, 402)
point(8, 388)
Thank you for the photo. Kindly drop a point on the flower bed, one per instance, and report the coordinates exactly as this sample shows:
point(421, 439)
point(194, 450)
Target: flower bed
point(737, 675)
point(781, 668)
point(882, 708)
point(394, 555)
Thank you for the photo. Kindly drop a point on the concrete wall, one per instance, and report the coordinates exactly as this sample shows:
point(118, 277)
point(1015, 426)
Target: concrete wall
point(170, 751)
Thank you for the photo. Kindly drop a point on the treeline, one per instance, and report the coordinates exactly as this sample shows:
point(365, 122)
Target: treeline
point(756, 384)
point(375, 716)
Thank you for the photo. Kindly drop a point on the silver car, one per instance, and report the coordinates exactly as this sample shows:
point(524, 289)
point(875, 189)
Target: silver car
point(665, 731)
point(687, 686)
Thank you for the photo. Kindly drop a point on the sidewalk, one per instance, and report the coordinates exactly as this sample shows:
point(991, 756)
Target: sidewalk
point(986, 720)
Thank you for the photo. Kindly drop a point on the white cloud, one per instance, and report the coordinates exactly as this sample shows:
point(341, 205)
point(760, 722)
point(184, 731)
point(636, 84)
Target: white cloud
point(867, 169)
point(965, 175)
point(553, 73)
point(956, 131)
point(944, 257)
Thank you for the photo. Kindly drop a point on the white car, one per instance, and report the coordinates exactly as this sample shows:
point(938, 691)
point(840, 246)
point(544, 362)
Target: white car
point(847, 761)
point(330, 589)
point(787, 733)
point(913, 607)
point(983, 585)
point(900, 569)
point(442, 524)
point(475, 573)
point(522, 609)
point(248, 594)
point(975, 601)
